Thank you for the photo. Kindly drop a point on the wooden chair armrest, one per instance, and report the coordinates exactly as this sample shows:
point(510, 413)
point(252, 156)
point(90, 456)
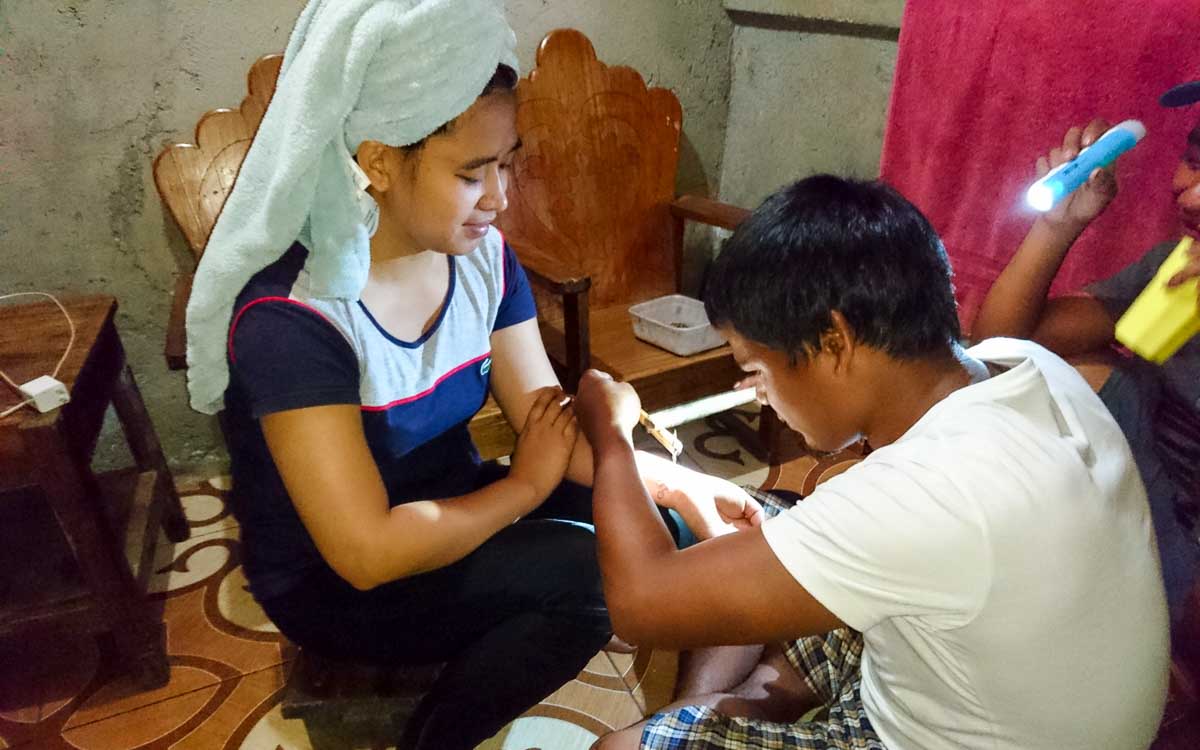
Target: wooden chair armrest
point(176, 345)
point(555, 277)
point(708, 211)
point(570, 348)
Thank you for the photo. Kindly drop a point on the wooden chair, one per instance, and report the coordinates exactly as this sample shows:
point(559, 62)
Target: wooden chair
point(595, 221)
point(193, 181)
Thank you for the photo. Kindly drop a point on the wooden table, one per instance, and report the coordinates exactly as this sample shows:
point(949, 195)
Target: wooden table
point(663, 379)
point(109, 523)
point(660, 378)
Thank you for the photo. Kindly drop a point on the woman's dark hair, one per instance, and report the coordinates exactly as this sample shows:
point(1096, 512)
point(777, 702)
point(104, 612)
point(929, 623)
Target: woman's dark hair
point(504, 79)
point(826, 243)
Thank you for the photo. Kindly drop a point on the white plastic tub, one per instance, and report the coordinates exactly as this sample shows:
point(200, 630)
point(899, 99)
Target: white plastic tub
point(676, 323)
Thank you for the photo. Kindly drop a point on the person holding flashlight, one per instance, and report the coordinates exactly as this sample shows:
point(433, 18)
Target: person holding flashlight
point(1157, 407)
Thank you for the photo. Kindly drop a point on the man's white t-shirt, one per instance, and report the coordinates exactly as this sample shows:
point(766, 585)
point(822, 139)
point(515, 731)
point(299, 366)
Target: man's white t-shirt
point(1001, 565)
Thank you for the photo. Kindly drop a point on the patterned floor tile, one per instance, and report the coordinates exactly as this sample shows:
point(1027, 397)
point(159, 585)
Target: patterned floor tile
point(803, 474)
point(649, 675)
point(715, 450)
point(203, 498)
point(574, 716)
point(228, 663)
point(43, 678)
point(221, 715)
point(756, 478)
point(215, 633)
point(537, 732)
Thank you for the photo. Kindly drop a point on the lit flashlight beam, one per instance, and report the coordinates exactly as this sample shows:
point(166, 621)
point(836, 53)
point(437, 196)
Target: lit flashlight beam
point(705, 407)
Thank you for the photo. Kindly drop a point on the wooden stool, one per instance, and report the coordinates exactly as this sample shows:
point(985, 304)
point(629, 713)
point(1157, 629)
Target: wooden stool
point(110, 523)
point(340, 700)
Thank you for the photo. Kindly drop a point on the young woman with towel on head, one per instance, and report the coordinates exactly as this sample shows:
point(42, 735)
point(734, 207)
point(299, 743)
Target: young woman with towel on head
point(352, 310)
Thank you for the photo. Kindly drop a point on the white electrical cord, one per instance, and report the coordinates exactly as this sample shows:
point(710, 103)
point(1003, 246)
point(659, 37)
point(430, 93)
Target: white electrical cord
point(62, 359)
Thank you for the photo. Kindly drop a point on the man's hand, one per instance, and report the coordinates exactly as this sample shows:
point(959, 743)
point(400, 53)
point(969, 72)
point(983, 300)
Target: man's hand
point(1189, 272)
point(606, 410)
point(1078, 209)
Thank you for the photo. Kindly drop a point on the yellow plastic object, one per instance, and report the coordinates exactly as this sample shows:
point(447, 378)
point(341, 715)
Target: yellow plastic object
point(1161, 319)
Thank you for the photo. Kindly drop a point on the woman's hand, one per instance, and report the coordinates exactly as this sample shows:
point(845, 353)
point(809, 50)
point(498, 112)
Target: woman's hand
point(545, 444)
point(1077, 210)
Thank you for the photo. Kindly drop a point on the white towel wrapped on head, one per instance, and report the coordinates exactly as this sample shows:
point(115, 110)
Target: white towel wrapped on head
point(392, 71)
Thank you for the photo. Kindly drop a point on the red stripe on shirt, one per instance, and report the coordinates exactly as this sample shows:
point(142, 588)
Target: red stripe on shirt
point(431, 388)
point(249, 305)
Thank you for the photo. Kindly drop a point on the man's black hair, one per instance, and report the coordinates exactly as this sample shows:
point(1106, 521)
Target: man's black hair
point(826, 243)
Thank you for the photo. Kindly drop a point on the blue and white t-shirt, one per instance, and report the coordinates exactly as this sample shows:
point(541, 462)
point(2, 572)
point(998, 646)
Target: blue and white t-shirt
point(290, 350)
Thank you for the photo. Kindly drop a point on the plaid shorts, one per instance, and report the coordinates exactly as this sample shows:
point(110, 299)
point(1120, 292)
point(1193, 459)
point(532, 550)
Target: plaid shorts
point(830, 666)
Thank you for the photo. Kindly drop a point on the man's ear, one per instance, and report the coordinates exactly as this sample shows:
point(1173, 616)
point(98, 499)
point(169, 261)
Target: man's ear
point(378, 162)
point(839, 341)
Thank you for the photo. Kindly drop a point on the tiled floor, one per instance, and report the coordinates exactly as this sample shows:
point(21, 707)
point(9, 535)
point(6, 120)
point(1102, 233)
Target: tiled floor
point(229, 665)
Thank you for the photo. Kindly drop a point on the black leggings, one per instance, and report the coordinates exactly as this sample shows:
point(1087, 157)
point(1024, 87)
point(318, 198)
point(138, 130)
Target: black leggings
point(514, 620)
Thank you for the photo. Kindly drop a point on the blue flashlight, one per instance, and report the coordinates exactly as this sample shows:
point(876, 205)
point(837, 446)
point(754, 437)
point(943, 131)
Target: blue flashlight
point(1065, 178)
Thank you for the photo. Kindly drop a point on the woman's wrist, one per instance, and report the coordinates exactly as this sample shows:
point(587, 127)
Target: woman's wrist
point(523, 492)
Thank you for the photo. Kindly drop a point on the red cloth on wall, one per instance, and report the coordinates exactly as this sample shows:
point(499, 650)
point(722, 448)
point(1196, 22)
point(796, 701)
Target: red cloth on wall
point(982, 89)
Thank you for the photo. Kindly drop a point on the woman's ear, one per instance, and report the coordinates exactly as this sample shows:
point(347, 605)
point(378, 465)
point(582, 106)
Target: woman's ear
point(376, 161)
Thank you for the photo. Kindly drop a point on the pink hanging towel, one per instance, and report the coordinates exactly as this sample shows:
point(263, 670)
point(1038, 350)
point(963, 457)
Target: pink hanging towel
point(983, 88)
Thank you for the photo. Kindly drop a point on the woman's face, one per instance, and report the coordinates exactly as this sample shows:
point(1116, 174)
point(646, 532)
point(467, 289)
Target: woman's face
point(452, 188)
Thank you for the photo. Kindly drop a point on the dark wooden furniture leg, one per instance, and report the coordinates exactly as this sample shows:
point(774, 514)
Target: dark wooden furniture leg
point(147, 452)
point(73, 495)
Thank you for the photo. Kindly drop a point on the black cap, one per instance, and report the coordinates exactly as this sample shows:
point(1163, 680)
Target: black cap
point(1181, 95)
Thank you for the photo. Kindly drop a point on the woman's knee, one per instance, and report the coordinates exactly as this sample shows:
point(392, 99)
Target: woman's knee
point(553, 569)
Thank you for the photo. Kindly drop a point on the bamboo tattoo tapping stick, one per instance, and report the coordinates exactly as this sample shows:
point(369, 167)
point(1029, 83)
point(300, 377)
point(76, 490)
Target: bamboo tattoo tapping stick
point(660, 423)
point(667, 439)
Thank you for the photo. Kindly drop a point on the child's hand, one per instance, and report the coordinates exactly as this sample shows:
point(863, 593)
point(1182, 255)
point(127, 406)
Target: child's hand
point(1190, 271)
point(710, 506)
point(1078, 209)
point(545, 444)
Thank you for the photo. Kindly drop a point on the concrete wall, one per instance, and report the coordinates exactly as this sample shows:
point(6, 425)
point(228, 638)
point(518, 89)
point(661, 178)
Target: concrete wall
point(809, 91)
point(91, 90)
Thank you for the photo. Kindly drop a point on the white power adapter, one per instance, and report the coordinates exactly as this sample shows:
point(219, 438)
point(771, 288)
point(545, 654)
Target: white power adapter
point(46, 393)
